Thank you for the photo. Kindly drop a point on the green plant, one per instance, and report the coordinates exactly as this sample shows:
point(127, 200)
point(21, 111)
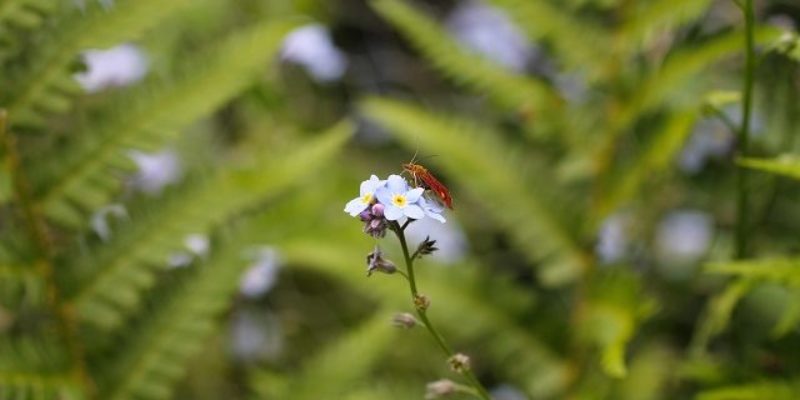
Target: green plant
point(104, 317)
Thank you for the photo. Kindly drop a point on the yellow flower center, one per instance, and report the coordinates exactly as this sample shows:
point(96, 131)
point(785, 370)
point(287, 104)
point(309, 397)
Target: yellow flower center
point(399, 200)
point(367, 198)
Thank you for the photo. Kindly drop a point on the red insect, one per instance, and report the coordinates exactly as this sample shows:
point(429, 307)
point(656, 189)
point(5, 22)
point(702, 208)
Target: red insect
point(429, 182)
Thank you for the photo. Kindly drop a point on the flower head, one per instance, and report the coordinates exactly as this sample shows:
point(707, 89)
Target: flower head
point(376, 262)
point(440, 388)
point(459, 363)
point(404, 320)
point(383, 201)
point(399, 200)
point(366, 196)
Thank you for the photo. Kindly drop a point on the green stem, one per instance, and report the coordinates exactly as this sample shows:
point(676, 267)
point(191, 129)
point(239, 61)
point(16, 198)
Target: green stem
point(422, 313)
point(744, 131)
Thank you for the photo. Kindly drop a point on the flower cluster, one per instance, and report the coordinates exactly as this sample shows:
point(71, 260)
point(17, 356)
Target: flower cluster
point(392, 199)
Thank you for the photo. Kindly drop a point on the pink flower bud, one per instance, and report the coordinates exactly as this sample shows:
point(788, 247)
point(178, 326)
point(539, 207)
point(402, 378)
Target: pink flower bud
point(377, 210)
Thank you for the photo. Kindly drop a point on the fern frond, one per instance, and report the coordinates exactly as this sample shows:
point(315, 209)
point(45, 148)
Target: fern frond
point(618, 326)
point(678, 71)
point(155, 358)
point(26, 14)
point(32, 353)
point(657, 157)
point(32, 386)
point(773, 390)
point(480, 164)
point(779, 270)
point(20, 285)
point(578, 42)
point(514, 92)
point(788, 45)
point(42, 85)
point(342, 366)
point(790, 316)
point(718, 313)
point(658, 15)
point(112, 284)
point(613, 310)
point(83, 180)
point(786, 165)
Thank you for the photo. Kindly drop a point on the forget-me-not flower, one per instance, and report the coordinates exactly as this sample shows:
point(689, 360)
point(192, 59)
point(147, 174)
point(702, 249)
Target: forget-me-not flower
point(366, 196)
point(400, 201)
point(432, 209)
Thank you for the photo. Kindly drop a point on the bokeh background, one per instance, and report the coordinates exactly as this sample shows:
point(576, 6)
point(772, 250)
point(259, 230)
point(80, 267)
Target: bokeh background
point(174, 175)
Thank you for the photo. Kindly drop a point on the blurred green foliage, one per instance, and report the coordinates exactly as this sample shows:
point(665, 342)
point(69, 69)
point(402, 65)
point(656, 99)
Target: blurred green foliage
point(622, 117)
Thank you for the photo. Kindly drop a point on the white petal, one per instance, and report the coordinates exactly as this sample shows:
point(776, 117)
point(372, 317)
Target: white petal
point(437, 217)
point(393, 213)
point(397, 184)
point(413, 211)
point(414, 195)
point(365, 188)
point(373, 184)
point(431, 205)
point(384, 196)
point(355, 206)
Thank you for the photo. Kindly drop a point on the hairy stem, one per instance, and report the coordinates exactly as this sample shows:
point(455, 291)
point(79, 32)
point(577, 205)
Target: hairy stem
point(422, 312)
point(744, 131)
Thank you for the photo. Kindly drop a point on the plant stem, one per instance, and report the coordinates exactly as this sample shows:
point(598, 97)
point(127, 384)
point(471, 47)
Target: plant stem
point(422, 313)
point(744, 130)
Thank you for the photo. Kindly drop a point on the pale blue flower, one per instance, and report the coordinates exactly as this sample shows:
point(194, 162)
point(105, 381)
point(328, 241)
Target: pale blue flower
point(432, 209)
point(400, 201)
point(366, 196)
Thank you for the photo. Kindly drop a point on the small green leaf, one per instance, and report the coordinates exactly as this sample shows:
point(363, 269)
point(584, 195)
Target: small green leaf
point(785, 165)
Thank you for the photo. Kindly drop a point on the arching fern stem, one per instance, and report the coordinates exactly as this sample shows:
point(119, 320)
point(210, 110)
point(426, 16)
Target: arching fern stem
point(43, 265)
point(744, 131)
point(399, 230)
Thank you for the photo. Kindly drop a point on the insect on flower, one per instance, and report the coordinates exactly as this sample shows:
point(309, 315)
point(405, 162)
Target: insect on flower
point(429, 182)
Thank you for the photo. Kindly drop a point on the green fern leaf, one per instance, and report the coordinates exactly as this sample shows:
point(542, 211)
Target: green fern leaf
point(83, 178)
point(717, 314)
point(117, 274)
point(342, 366)
point(773, 390)
point(43, 83)
point(678, 71)
point(654, 16)
point(20, 285)
point(26, 14)
point(788, 45)
point(579, 43)
point(514, 92)
point(790, 316)
point(479, 163)
point(31, 386)
point(785, 165)
point(155, 358)
point(780, 270)
point(614, 308)
point(655, 158)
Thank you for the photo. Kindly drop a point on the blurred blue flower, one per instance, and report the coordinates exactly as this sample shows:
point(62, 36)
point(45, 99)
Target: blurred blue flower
point(118, 66)
point(400, 200)
point(312, 47)
point(366, 196)
point(155, 170)
point(491, 32)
